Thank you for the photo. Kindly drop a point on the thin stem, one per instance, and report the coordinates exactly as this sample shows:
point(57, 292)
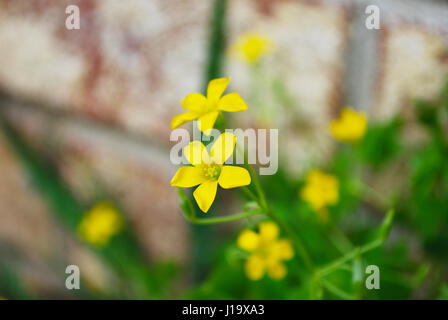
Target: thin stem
point(372, 196)
point(297, 241)
point(257, 184)
point(339, 239)
point(329, 268)
point(336, 291)
point(250, 194)
point(217, 220)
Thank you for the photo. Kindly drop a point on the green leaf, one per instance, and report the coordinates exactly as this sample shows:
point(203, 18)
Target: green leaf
point(443, 293)
point(381, 143)
point(358, 274)
point(386, 225)
point(186, 205)
point(426, 113)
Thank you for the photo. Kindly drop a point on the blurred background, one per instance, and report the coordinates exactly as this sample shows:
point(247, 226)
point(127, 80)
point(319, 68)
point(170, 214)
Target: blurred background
point(85, 118)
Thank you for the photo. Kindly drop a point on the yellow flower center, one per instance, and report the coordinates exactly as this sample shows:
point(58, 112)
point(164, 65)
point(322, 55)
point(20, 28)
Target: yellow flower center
point(210, 106)
point(264, 251)
point(251, 47)
point(212, 171)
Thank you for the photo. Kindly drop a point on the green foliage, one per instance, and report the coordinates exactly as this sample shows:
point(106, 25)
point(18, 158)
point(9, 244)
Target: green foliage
point(122, 254)
point(11, 286)
point(381, 143)
point(343, 247)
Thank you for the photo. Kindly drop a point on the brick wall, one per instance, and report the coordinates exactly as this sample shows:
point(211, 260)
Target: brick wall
point(100, 99)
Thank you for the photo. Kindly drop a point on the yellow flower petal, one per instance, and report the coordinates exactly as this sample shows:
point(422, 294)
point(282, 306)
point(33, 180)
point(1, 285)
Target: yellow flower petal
point(216, 88)
point(332, 191)
point(321, 189)
point(182, 118)
point(222, 149)
point(196, 153)
point(255, 267)
point(277, 270)
point(187, 177)
point(350, 127)
point(232, 177)
point(205, 194)
point(283, 249)
point(313, 196)
point(248, 240)
point(232, 102)
point(268, 231)
point(100, 224)
point(194, 102)
point(251, 47)
point(207, 121)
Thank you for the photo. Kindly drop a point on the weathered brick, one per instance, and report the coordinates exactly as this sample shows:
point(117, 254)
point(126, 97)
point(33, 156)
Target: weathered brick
point(98, 162)
point(129, 64)
point(413, 55)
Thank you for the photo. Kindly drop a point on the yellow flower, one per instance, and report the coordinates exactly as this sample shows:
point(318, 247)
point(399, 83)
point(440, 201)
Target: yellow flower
point(100, 224)
point(350, 127)
point(321, 189)
point(207, 109)
point(267, 251)
point(250, 47)
point(208, 170)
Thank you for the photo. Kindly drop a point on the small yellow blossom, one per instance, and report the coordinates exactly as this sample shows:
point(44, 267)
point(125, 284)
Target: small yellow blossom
point(100, 224)
point(350, 127)
point(208, 170)
point(250, 47)
point(207, 109)
point(321, 189)
point(267, 251)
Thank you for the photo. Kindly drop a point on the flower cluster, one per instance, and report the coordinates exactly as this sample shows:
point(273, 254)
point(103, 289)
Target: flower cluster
point(208, 170)
point(267, 252)
point(100, 224)
point(322, 189)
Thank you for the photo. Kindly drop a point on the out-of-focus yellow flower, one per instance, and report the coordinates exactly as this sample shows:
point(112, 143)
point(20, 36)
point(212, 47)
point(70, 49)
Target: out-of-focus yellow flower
point(100, 224)
point(321, 189)
point(250, 47)
point(1, 298)
point(208, 170)
point(350, 127)
point(207, 109)
point(267, 251)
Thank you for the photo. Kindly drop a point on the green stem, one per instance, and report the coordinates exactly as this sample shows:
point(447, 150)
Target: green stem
point(301, 249)
point(336, 291)
point(340, 241)
point(262, 197)
point(329, 268)
point(372, 196)
point(217, 220)
point(250, 194)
